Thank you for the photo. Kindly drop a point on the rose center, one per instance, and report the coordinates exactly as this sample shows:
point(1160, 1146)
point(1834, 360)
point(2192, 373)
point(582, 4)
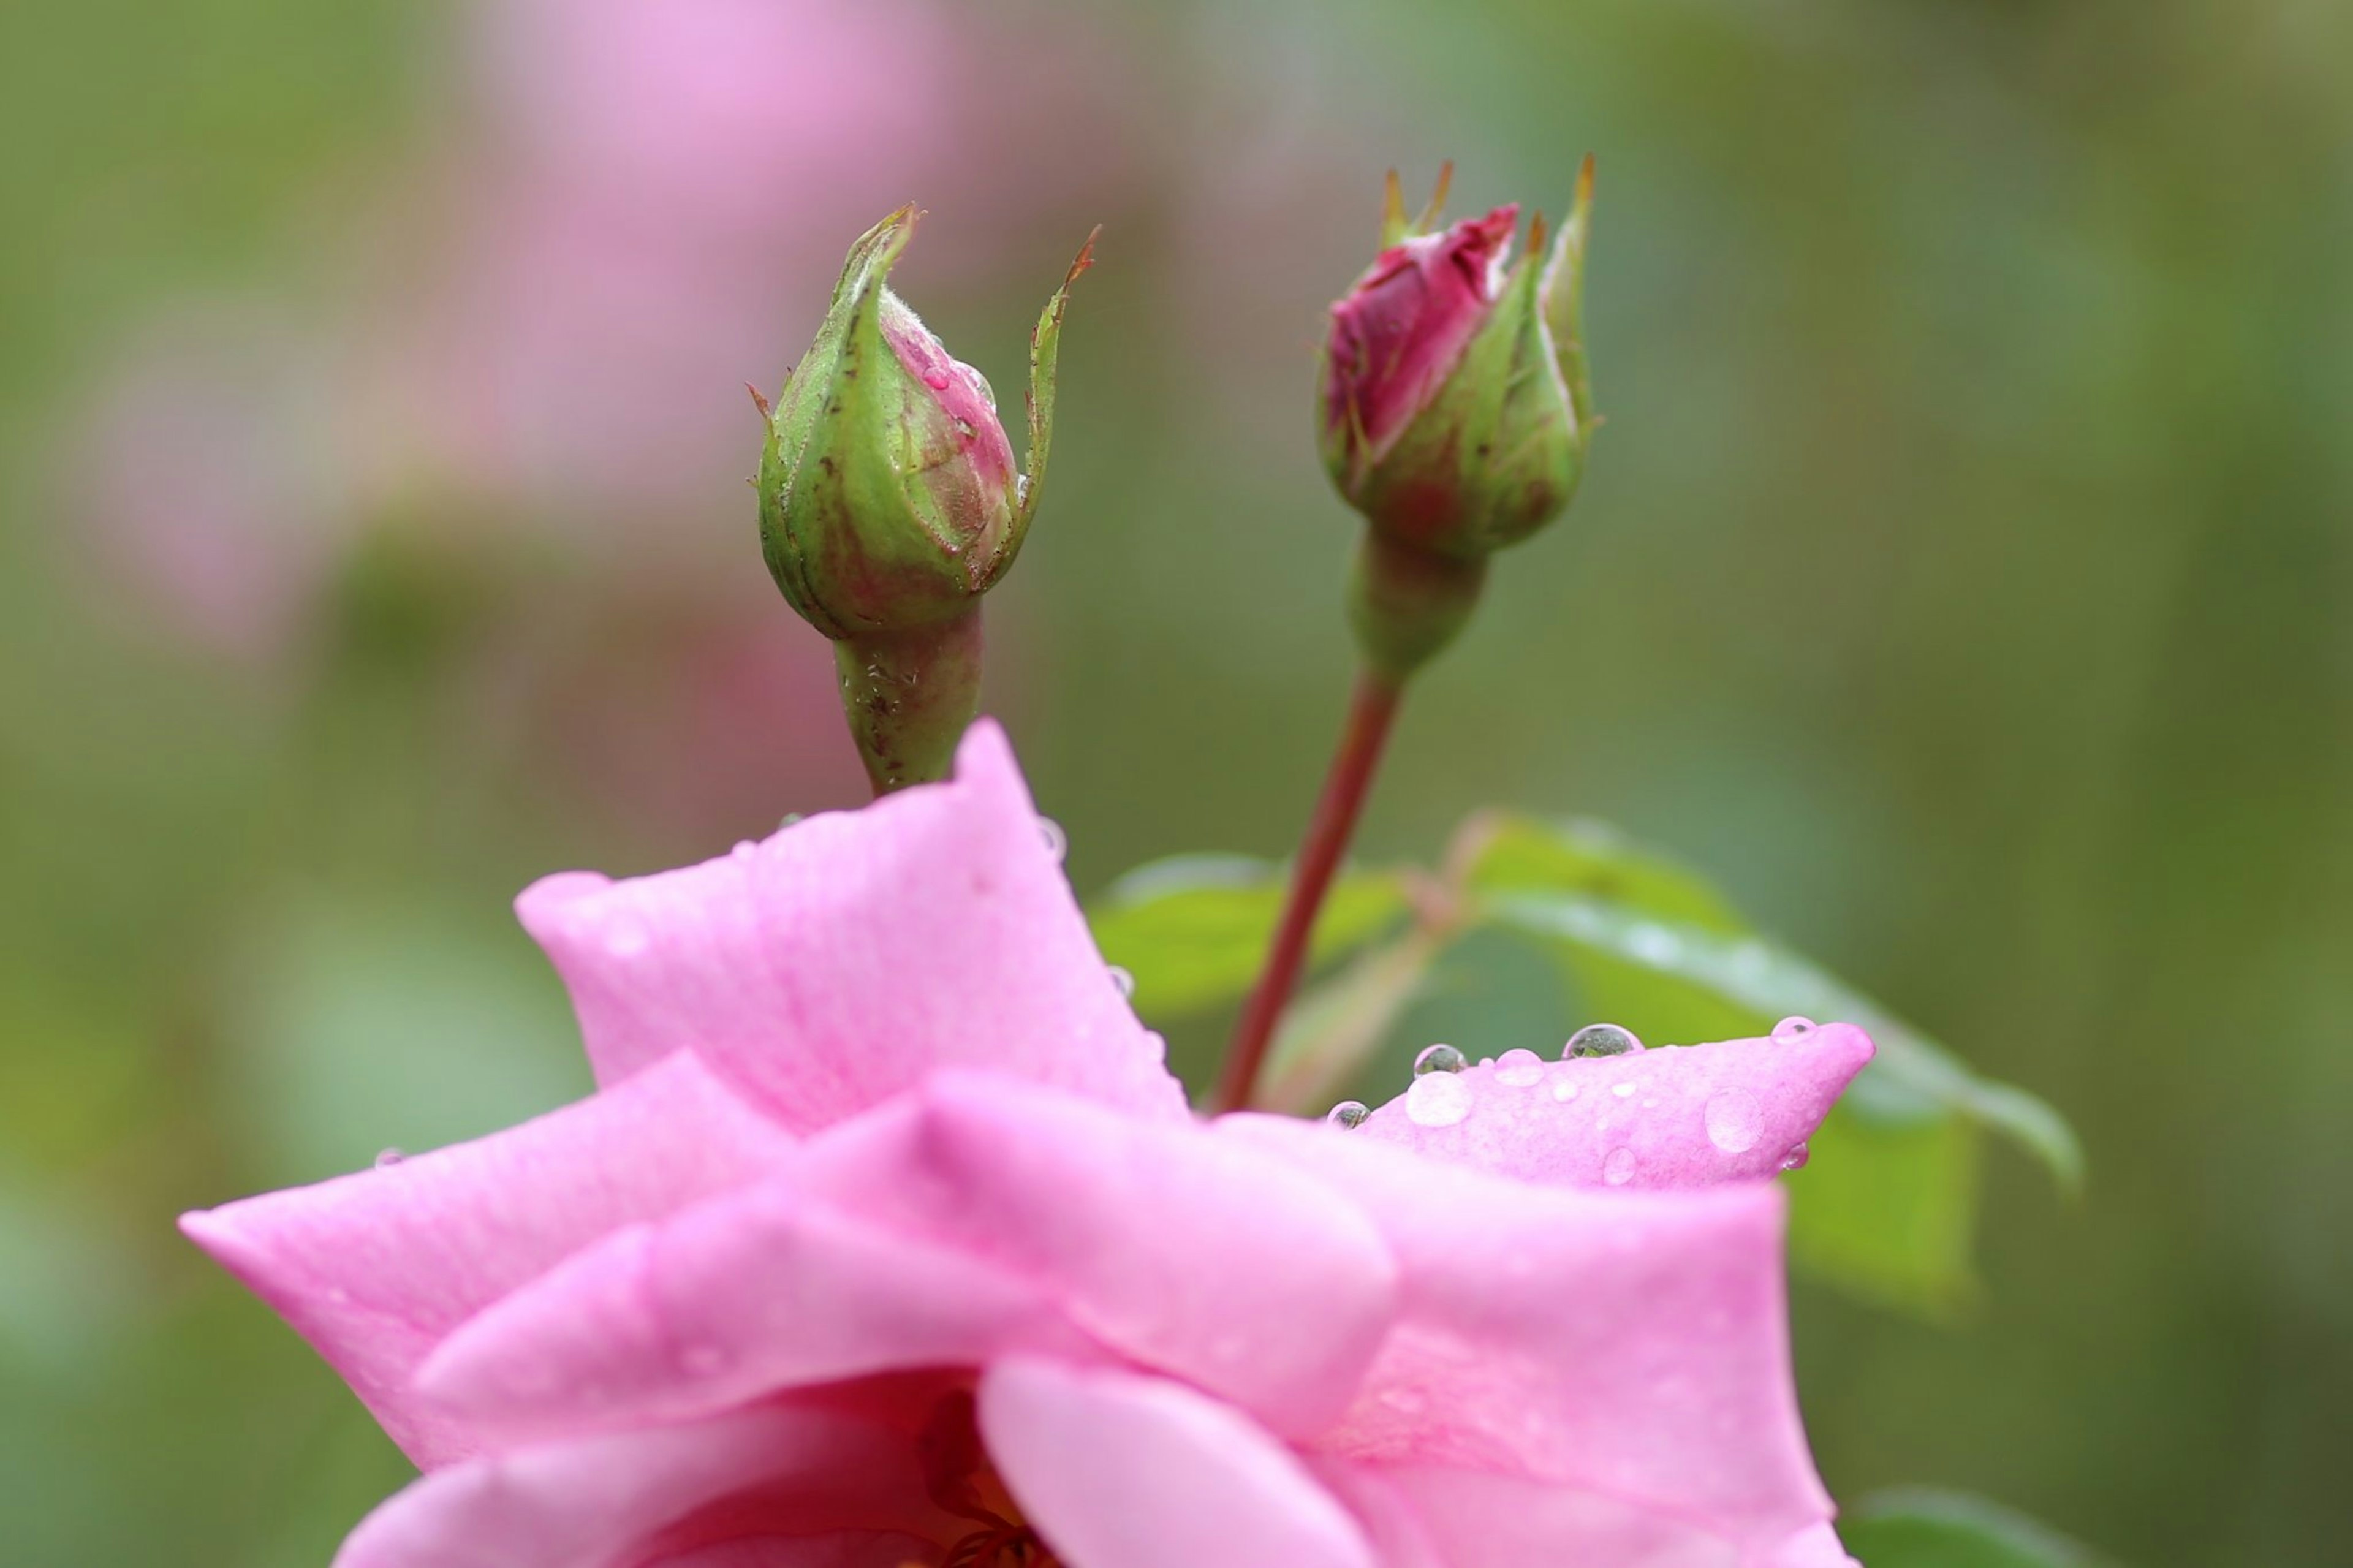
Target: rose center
point(962, 1483)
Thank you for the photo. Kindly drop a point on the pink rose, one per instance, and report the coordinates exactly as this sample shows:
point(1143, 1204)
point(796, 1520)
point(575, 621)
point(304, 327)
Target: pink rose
point(889, 1240)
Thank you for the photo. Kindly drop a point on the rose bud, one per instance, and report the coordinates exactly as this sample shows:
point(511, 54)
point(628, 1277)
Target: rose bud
point(889, 503)
point(1455, 411)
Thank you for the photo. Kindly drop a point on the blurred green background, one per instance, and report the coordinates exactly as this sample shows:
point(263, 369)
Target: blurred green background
point(1960, 579)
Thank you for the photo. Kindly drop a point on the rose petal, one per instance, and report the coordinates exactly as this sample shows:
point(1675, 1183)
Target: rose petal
point(841, 959)
point(1681, 1116)
point(374, 1269)
point(1118, 1471)
point(1628, 1345)
point(1423, 1516)
point(853, 1548)
point(597, 1501)
point(981, 1217)
point(1183, 1251)
point(746, 1293)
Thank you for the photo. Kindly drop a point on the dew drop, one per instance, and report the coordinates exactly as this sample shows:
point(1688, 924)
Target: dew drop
point(389, 1158)
point(1618, 1168)
point(1121, 980)
point(1794, 1160)
point(937, 380)
point(1793, 1031)
point(1734, 1121)
point(626, 939)
point(1058, 843)
point(1437, 1058)
point(1437, 1099)
point(746, 851)
point(1519, 1068)
point(1622, 1091)
point(1564, 1089)
point(1348, 1113)
point(789, 818)
point(1600, 1040)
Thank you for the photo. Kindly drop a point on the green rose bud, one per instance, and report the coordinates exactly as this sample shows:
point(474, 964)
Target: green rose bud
point(889, 503)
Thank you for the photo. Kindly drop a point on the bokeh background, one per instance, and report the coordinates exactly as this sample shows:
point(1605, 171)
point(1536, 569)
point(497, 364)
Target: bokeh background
point(1961, 579)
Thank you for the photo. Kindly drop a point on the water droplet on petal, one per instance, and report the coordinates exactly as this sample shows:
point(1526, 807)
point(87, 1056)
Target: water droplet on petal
point(1600, 1040)
point(389, 1158)
point(1564, 1089)
point(1121, 980)
point(1058, 843)
point(937, 380)
point(1437, 1099)
point(745, 850)
point(626, 938)
point(789, 818)
point(1793, 1031)
point(1519, 1068)
point(1348, 1113)
point(1437, 1058)
point(1734, 1121)
point(1622, 1089)
point(1618, 1168)
point(1794, 1160)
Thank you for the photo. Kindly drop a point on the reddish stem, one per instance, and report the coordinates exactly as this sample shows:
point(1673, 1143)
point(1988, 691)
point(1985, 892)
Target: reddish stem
point(1370, 712)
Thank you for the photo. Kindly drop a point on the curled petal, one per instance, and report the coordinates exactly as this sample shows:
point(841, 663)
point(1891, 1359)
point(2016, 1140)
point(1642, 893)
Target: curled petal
point(1118, 1471)
point(849, 955)
point(744, 1294)
point(374, 1269)
point(1682, 1116)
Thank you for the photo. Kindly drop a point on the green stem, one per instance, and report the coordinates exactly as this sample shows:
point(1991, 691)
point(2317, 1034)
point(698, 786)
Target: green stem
point(909, 696)
point(1371, 711)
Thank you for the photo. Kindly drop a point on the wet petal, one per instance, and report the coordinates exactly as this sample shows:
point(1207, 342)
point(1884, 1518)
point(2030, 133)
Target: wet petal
point(1682, 1116)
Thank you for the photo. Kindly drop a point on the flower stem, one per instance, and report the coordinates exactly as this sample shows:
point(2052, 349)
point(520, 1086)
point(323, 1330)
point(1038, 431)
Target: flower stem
point(1371, 711)
point(909, 695)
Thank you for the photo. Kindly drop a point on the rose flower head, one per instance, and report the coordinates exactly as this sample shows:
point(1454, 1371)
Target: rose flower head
point(888, 1239)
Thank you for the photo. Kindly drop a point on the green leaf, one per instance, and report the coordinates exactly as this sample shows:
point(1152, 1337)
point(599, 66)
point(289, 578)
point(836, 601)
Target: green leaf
point(1194, 929)
point(1579, 854)
point(1887, 1209)
point(1921, 1526)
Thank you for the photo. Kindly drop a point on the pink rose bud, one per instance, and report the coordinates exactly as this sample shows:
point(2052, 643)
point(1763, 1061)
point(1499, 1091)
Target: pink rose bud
point(1455, 411)
point(889, 503)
